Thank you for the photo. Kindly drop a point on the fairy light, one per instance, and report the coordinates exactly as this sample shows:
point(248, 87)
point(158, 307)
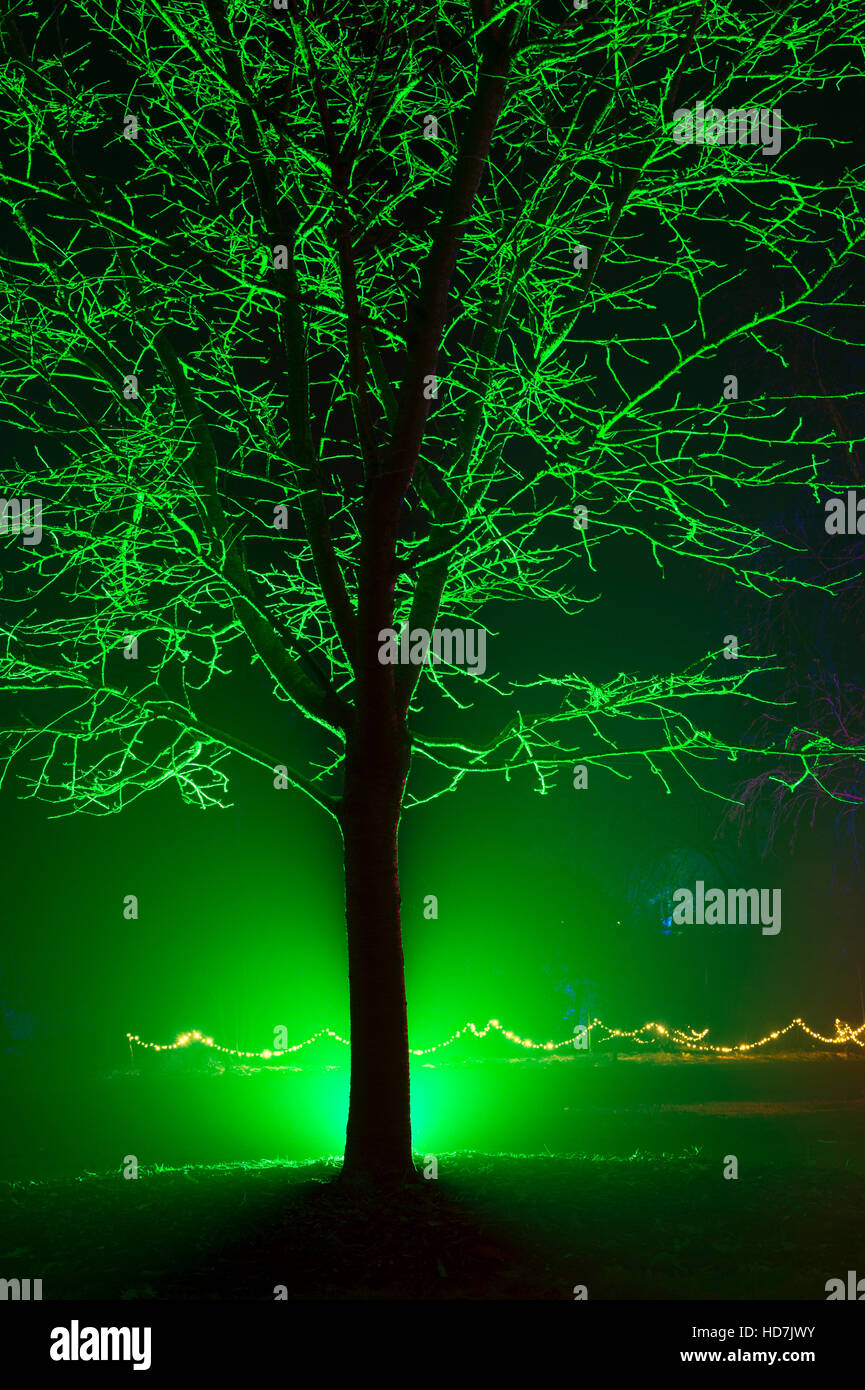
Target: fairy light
point(184, 1039)
point(688, 1039)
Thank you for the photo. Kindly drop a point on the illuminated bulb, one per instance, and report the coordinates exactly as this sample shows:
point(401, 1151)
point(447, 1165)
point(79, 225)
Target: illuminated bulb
point(844, 1034)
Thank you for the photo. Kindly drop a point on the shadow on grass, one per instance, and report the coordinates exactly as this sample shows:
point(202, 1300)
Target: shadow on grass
point(492, 1226)
point(246, 1231)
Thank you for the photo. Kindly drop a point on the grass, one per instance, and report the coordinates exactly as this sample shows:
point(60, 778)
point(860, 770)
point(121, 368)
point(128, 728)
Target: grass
point(492, 1226)
point(619, 1187)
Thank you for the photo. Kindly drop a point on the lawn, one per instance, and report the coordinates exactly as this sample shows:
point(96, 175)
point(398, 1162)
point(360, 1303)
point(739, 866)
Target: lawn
point(607, 1175)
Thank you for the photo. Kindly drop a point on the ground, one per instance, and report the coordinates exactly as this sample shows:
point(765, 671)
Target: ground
point(622, 1191)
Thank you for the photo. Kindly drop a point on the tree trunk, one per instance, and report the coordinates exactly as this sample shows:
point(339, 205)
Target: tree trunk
point(378, 1138)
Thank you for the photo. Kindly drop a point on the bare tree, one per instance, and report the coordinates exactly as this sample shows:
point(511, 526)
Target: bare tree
point(323, 324)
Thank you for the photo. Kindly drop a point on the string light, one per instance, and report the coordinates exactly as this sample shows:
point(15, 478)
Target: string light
point(184, 1039)
point(688, 1039)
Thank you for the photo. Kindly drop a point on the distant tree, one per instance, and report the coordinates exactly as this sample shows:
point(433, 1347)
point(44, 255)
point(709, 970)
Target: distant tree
point(819, 637)
point(650, 889)
point(323, 320)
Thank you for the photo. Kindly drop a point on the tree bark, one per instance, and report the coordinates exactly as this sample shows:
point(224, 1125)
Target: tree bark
point(378, 1137)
